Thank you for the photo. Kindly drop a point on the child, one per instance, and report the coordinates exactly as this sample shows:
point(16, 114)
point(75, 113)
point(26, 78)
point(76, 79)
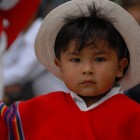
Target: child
point(89, 45)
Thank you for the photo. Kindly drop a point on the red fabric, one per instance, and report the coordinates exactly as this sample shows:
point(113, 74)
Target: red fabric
point(3, 130)
point(56, 117)
point(0, 24)
point(19, 17)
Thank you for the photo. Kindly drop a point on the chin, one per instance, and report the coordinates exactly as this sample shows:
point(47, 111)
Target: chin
point(89, 93)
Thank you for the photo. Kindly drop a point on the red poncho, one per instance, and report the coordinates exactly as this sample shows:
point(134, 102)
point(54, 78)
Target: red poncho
point(55, 116)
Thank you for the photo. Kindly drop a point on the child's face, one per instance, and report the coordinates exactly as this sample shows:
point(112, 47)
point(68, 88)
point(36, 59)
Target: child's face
point(92, 71)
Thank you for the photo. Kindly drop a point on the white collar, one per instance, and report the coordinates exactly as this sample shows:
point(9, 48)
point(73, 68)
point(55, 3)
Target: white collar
point(82, 105)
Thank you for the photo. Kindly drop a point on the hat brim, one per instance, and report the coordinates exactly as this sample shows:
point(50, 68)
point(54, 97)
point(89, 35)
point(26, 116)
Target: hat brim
point(125, 24)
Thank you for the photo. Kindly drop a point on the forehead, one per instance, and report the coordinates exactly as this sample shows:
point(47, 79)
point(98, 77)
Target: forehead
point(74, 45)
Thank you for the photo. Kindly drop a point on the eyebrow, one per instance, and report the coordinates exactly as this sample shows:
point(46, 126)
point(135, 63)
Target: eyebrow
point(73, 53)
point(102, 52)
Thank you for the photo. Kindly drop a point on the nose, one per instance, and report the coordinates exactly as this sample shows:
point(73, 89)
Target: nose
point(88, 69)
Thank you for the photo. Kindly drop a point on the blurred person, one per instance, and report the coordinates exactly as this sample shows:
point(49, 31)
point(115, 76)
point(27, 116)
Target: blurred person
point(134, 93)
point(14, 22)
point(133, 7)
point(24, 76)
point(117, 1)
point(50, 4)
point(6, 8)
point(14, 19)
point(2, 48)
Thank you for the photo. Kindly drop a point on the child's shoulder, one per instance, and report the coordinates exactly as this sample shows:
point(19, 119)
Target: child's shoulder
point(48, 96)
point(41, 100)
point(126, 104)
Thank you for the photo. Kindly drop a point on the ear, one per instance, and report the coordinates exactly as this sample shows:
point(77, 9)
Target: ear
point(122, 65)
point(58, 64)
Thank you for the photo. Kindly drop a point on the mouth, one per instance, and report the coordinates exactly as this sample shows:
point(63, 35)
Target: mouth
point(87, 82)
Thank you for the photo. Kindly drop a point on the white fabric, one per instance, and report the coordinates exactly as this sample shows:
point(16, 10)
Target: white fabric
point(8, 4)
point(82, 105)
point(47, 82)
point(2, 48)
point(21, 64)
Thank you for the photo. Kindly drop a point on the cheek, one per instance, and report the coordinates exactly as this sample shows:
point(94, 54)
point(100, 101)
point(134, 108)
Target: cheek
point(107, 74)
point(105, 80)
point(69, 73)
point(70, 78)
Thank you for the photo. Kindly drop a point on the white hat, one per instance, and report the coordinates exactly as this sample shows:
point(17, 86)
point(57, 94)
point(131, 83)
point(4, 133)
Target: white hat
point(126, 26)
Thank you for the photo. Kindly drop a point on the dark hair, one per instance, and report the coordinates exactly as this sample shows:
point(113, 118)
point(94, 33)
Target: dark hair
point(93, 28)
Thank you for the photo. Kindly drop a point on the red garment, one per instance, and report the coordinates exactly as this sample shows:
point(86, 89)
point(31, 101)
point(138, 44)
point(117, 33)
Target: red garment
point(18, 18)
point(3, 130)
point(55, 116)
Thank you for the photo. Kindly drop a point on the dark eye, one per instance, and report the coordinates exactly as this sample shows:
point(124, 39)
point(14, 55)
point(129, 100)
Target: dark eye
point(100, 59)
point(75, 60)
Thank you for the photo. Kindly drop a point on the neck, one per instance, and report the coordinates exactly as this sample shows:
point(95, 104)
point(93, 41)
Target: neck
point(89, 100)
